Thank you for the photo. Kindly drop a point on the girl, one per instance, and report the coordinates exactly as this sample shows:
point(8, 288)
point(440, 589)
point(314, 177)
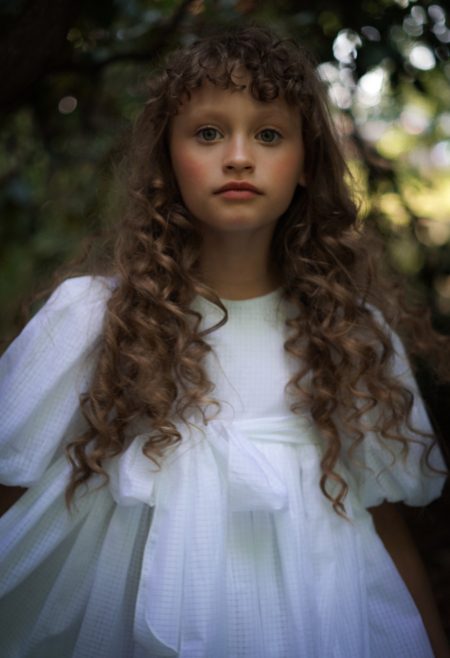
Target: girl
point(247, 417)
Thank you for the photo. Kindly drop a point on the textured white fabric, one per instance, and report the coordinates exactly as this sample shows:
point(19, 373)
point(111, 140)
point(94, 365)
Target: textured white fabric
point(230, 550)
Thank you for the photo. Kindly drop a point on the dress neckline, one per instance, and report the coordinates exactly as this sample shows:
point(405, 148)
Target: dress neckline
point(237, 306)
point(259, 299)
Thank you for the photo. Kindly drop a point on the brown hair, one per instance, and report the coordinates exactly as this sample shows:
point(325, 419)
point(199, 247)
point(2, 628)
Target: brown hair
point(149, 362)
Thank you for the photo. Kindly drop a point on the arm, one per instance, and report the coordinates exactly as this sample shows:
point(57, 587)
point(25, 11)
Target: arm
point(42, 374)
point(395, 535)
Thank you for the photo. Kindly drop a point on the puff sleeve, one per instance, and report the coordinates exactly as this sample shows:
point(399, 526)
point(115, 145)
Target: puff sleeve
point(42, 374)
point(382, 473)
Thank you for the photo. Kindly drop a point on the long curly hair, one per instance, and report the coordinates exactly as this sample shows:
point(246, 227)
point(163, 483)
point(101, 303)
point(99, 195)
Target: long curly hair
point(150, 358)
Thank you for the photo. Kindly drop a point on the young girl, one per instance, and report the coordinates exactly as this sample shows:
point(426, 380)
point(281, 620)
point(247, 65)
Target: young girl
point(247, 417)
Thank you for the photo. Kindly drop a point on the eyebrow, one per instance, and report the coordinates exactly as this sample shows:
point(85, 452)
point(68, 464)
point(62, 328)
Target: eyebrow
point(264, 114)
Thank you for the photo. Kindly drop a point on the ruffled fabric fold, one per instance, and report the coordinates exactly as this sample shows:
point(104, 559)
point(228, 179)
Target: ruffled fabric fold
point(383, 474)
point(378, 470)
point(42, 375)
point(229, 550)
point(69, 580)
point(225, 485)
point(215, 472)
point(230, 519)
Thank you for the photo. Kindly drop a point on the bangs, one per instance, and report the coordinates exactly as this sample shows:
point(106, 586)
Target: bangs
point(268, 67)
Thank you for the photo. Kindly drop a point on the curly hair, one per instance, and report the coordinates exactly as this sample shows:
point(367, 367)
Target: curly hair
point(151, 354)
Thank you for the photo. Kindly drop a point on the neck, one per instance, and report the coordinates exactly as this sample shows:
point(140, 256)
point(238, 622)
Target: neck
point(237, 265)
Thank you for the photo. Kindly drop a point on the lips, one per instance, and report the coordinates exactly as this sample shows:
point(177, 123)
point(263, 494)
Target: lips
point(238, 186)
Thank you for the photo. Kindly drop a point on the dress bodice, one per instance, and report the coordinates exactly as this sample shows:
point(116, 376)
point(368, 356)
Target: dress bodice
point(248, 364)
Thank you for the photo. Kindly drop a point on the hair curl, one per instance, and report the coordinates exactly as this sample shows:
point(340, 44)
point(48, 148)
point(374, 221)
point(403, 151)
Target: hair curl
point(149, 363)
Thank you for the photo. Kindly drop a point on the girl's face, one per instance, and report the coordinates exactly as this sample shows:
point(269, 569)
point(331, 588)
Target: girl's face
point(237, 160)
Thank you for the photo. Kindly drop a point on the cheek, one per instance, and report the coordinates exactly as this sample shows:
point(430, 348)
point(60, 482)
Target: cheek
point(289, 169)
point(188, 169)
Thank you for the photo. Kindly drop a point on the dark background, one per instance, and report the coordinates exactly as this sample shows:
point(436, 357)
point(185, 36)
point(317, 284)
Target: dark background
point(72, 80)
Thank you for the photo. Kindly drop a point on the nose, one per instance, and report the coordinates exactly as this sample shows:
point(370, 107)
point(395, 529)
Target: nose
point(238, 155)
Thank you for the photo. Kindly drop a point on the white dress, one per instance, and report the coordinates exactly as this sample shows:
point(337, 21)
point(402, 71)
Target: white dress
point(231, 550)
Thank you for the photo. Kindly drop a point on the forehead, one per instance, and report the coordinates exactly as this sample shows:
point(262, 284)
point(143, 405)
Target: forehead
point(214, 98)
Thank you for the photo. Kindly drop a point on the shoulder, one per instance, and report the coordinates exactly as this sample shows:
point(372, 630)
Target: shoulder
point(70, 319)
point(81, 291)
point(79, 299)
point(75, 311)
point(42, 374)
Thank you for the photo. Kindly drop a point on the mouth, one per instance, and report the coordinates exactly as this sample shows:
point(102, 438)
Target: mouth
point(238, 190)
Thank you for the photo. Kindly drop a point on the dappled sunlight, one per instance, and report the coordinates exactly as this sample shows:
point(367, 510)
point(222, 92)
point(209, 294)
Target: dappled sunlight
point(387, 74)
point(430, 200)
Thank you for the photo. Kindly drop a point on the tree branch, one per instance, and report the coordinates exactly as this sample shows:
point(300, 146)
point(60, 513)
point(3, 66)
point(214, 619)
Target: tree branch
point(48, 52)
point(31, 44)
point(162, 31)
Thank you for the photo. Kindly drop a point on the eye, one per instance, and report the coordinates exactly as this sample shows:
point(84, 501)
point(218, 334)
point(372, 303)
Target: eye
point(269, 136)
point(208, 134)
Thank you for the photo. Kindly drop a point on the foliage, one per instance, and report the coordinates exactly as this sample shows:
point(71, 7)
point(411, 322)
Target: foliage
point(66, 108)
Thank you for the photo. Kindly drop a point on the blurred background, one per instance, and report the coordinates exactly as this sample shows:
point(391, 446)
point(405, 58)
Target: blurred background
point(73, 79)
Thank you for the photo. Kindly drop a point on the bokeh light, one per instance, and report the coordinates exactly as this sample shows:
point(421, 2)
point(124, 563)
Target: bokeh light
point(422, 57)
point(345, 46)
point(67, 104)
